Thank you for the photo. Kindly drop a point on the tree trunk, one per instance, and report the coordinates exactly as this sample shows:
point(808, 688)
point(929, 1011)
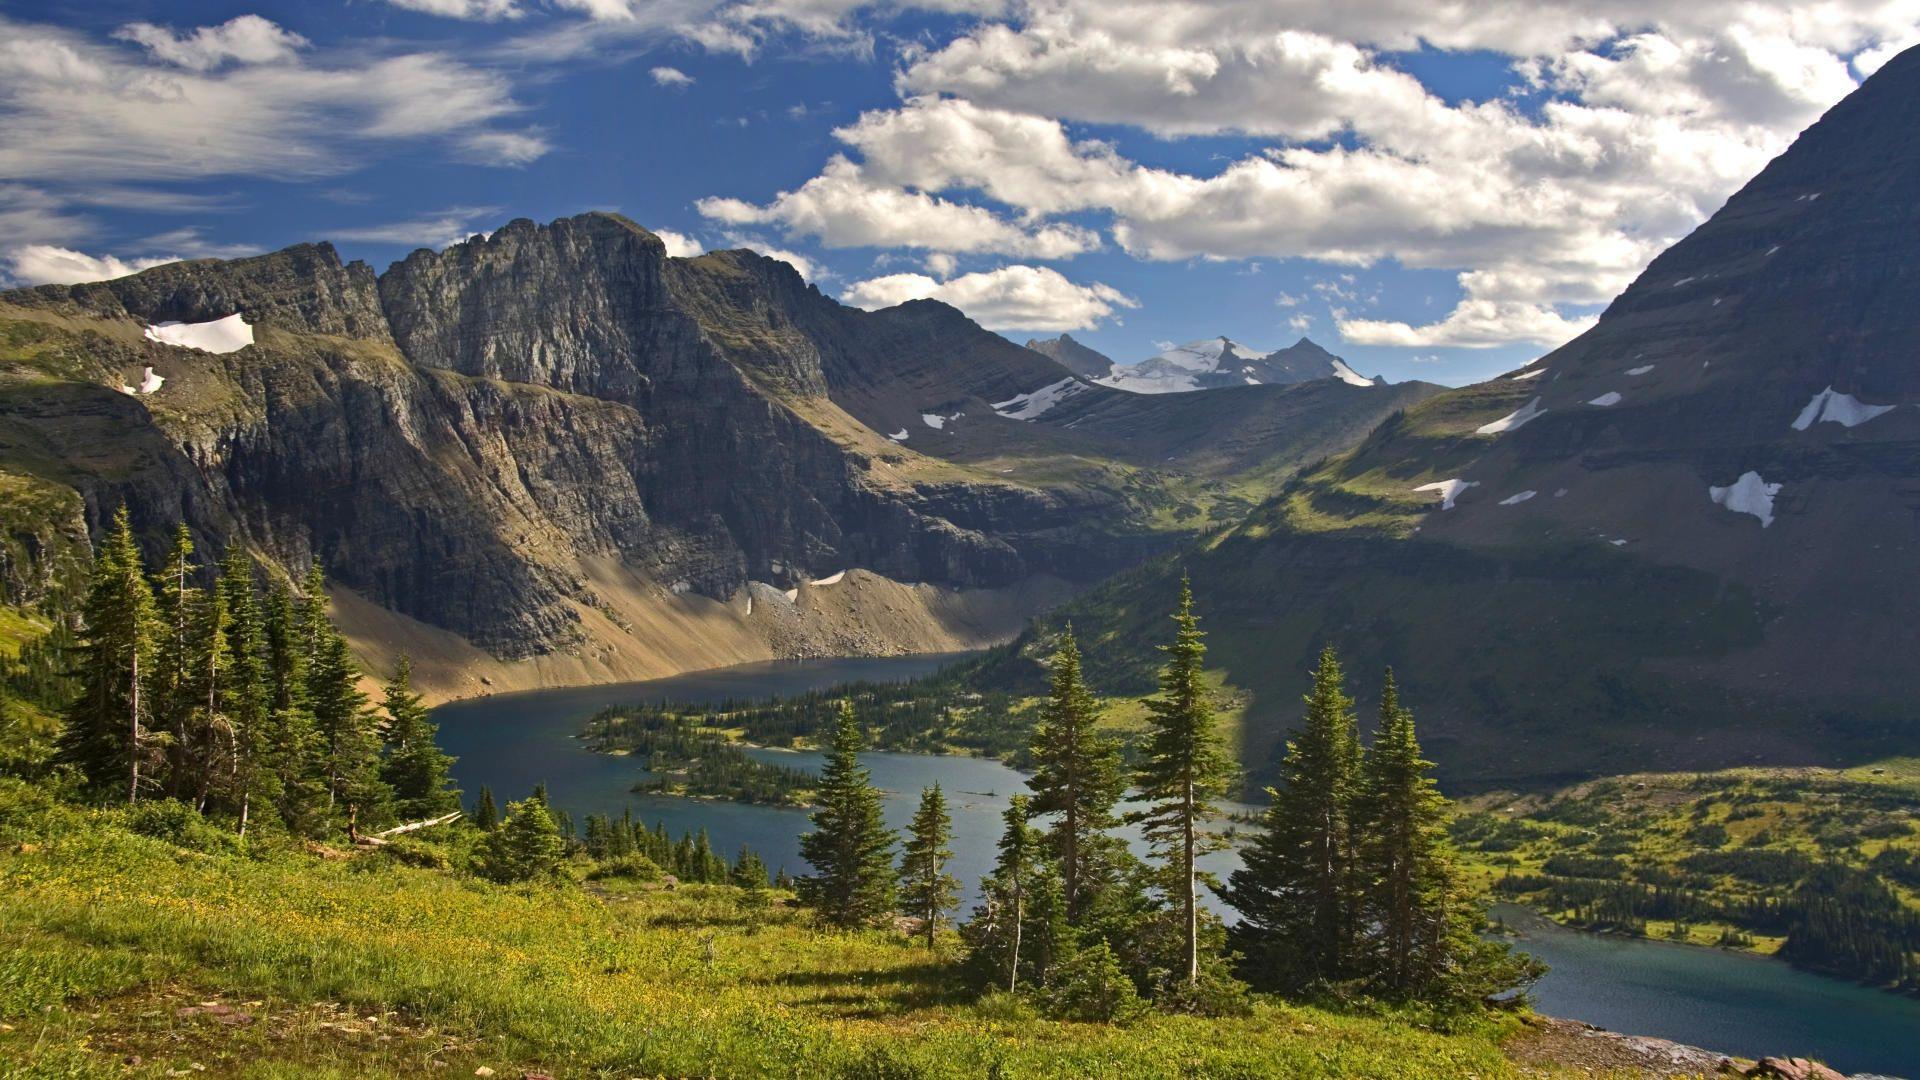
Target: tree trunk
point(1192, 901)
point(133, 741)
point(1019, 920)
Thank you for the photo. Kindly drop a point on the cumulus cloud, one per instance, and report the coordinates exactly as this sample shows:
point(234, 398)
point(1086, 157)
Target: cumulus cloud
point(1633, 121)
point(1009, 298)
point(248, 39)
point(679, 245)
point(504, 147)
point(842, 208)
point(670, 77)
point(195, 105)
point(44, 264)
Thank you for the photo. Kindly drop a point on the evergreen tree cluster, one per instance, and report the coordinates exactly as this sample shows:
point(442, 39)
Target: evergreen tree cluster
point(692, 858)
point(237, 703)
point(1349, 886)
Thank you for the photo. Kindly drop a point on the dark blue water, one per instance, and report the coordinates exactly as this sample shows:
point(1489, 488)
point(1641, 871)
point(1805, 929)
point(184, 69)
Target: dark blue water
point(514, 741)
point(1735, 1003)
point(1729, 1002)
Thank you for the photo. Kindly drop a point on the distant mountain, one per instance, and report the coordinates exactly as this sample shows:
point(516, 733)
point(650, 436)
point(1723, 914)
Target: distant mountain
point(1688, 538)
point(1220, 362)
point(1073, 356)
point(554, 454)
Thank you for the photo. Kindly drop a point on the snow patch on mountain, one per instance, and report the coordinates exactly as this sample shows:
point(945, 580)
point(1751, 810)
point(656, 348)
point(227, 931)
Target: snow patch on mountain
point(1516, 500)
point(230, 334)
point(1513, 420)
point(1449, 490)
point(1611, 397)
point(1747, 495)
point(1843, 409)
point(1037, 403)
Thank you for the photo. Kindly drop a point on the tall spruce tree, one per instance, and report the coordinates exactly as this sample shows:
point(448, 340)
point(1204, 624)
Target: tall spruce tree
point(1182, 771)
point(295, 750)
point(415, 767)
point(1077, 776)
point(850, 847)
point(107, 734)
point(1295, 890)
point(175, 704)
point(349, 733)
point(996, 933)
point(486, 817)
point(210, 725)
point(246, 691)
point(1401, 818)
point(927, 891)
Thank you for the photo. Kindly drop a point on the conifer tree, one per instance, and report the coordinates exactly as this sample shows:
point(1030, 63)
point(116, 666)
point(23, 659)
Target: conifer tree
point(294, 748)
point(415, 767)
point(213, 760)
point(749, 870)
point(1294, 890)
point(1077, 776)
point(175, 704)
point(245, 690)
point(485, 816)
point(995, 936)
point(850, 847)
point(526, 847)
point(1183, 769)
point(106, 734)
point(348, 731)
point(1401, 817)
point(927, 891)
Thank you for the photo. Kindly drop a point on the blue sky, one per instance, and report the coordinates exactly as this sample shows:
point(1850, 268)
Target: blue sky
point(1433, 195)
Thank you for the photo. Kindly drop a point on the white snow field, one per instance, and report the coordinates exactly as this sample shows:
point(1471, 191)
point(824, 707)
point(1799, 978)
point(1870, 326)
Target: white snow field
point(1843, 409)
point(1748, 495)
point(1036, 403)
point(1513, 420)
point(230, 334)
point(1449, 490)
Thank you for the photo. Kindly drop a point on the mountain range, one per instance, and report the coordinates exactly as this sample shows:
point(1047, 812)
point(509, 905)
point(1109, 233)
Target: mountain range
point(1208, 364)
point(553, 454)
point(1688, 538)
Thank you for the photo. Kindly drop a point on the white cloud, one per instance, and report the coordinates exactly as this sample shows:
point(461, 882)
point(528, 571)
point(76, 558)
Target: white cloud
point(671, 77)
point(44, 264)
point(1473, 324)
point(679, 245)
point(74, 110)
point(449, 226)
point(941, 265)
point(842, 208)
point(483, 10)
point(248, 39)
point(504, 147)
point(808, 269)
point(191, 242)
point(1009, 298)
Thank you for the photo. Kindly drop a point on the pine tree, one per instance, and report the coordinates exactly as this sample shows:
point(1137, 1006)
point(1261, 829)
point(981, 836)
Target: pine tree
point(415, 767)
point(293, 744)
point(749, 870)
point(850, 847)
point(1294, 890)
point(213, 760)
point(106, 735)
point(175, 706)
point(245, 690)
point(485, 817)
point(526, 847)
point(1401, 817)
point(1184, 768)
point(348, 731)
point(927, 891)
point(1077, 776)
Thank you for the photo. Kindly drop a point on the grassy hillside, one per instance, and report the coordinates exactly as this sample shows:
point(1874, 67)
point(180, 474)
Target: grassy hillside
point(190, 952)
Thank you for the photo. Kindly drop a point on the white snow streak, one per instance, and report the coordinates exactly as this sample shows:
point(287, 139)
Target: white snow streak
point(1748, 495)
point(1035, 404)
point(1449, 490)
point(1516, 500)
point(1513, 420)
point(1843, 409)
point(1641, 370)
point(1611, 397)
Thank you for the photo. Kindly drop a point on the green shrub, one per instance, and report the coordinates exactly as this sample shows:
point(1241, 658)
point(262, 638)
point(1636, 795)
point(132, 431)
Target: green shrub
point(183, 826)
point(631, 867)
point(1092, 986)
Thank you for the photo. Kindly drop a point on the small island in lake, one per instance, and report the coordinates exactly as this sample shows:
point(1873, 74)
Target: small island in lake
point(687, 756)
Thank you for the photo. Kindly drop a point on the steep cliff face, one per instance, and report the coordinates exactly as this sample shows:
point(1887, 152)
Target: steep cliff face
point(540, 439)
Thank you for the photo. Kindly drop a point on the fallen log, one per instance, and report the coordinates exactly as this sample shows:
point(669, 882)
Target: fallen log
point(382, 836)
